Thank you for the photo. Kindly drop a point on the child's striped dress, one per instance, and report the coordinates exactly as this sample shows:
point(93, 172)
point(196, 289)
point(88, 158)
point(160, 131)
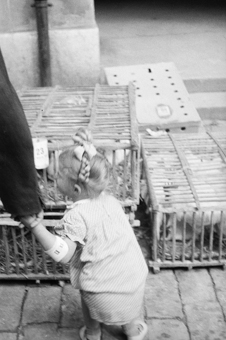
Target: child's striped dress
point(108, 265)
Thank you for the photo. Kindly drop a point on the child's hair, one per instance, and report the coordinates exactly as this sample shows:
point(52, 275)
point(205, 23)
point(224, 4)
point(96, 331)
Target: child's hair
point(92, 174)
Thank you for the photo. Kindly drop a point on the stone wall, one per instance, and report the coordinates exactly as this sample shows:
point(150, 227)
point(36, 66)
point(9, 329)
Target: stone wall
point(74, 42)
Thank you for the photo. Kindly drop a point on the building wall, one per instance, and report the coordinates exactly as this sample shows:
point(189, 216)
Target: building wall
point(74, 42)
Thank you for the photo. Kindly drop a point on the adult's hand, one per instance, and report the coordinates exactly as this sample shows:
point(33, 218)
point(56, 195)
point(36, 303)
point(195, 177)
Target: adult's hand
point(31, 221)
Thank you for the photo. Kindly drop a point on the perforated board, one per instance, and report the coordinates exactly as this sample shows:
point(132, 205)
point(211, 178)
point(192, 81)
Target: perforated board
point(162, 100)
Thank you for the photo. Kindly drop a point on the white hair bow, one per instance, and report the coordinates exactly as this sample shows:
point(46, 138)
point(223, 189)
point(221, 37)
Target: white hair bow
point(86, 147)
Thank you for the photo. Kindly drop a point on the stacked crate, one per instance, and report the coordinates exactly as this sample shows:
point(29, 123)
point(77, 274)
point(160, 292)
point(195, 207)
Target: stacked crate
point(186, 195)
point(56, 113)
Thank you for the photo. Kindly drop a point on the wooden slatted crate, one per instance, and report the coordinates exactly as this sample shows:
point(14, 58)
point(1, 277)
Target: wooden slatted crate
point(22, 257)
point(56, 113)
point(186, 195)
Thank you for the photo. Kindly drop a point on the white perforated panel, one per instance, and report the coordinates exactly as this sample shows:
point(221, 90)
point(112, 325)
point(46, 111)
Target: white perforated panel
point(162, 100)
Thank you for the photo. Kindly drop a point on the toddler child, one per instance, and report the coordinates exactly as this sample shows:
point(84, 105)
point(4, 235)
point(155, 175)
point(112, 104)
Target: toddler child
point(106, 262)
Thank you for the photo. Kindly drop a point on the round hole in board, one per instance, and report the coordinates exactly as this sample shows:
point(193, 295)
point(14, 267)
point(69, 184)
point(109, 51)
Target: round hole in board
point(152, 79)
point(178, 98)
point(157, 94)
point(182, 106)
point(167, 130)
point(155, 86)
point(170, 77)
point(139, 95)
point(167, 70)
point(115, 75)
point(116, 83)
point(172, 84)
point(138, 88)
point(185, 114)
point(134, 81)
point(176, 91)
point(183, 128)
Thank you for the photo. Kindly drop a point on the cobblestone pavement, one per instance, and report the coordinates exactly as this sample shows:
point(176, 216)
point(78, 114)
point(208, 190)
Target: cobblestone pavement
point(179, 305)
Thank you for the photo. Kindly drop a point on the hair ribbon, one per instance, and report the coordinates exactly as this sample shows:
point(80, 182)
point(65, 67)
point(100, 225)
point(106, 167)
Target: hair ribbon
point(87, 147)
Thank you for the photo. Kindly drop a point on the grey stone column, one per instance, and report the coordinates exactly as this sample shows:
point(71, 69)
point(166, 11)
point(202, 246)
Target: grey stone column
point(74, 42)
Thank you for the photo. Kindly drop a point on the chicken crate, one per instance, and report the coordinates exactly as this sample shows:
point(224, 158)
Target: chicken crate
point(55, 114)
point(185, 189)
point(22, 257)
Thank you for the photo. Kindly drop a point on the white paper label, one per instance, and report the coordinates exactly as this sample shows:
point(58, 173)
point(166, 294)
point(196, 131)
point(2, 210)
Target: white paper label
point(41, 154)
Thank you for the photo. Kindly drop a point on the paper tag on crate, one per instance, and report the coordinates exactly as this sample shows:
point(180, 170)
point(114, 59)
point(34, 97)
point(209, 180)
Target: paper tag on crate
point(41, 154)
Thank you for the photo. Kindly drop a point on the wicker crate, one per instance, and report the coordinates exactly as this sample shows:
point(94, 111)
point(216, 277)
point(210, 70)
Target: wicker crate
point(108, 112)
point(56, 113)
point(186, 195)
point(22, 257)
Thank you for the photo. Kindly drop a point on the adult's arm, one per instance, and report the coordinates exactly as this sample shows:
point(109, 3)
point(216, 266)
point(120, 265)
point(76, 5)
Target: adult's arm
point(18, 176)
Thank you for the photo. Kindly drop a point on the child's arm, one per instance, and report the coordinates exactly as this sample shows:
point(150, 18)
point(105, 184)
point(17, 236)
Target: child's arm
point(49, 241)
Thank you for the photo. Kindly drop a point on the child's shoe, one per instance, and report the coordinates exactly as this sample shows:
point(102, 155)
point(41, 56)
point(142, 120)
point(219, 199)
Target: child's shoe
point(84, 336)
point(142, 328)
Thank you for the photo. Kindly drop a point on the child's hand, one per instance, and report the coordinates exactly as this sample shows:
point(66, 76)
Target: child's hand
point(31, 221)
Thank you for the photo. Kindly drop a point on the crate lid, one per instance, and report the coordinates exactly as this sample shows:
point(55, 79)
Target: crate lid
point(162, 100)
point(56, 113)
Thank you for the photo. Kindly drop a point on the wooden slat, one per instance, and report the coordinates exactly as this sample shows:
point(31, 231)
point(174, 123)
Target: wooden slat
point(133, 117)
point(221, 149)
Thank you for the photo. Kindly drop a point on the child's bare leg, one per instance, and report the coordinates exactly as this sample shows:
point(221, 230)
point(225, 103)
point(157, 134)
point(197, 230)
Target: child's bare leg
point(135, 330)
point(93, 331)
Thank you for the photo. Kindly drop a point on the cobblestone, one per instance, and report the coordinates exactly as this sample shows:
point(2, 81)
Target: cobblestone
point(205, 319)
point(42, 305)
point(8, 336)
point(11, 299)
point(171, 329)
point(158, 289)
point(179, 305)
point(219, 276)
point(40, 331)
